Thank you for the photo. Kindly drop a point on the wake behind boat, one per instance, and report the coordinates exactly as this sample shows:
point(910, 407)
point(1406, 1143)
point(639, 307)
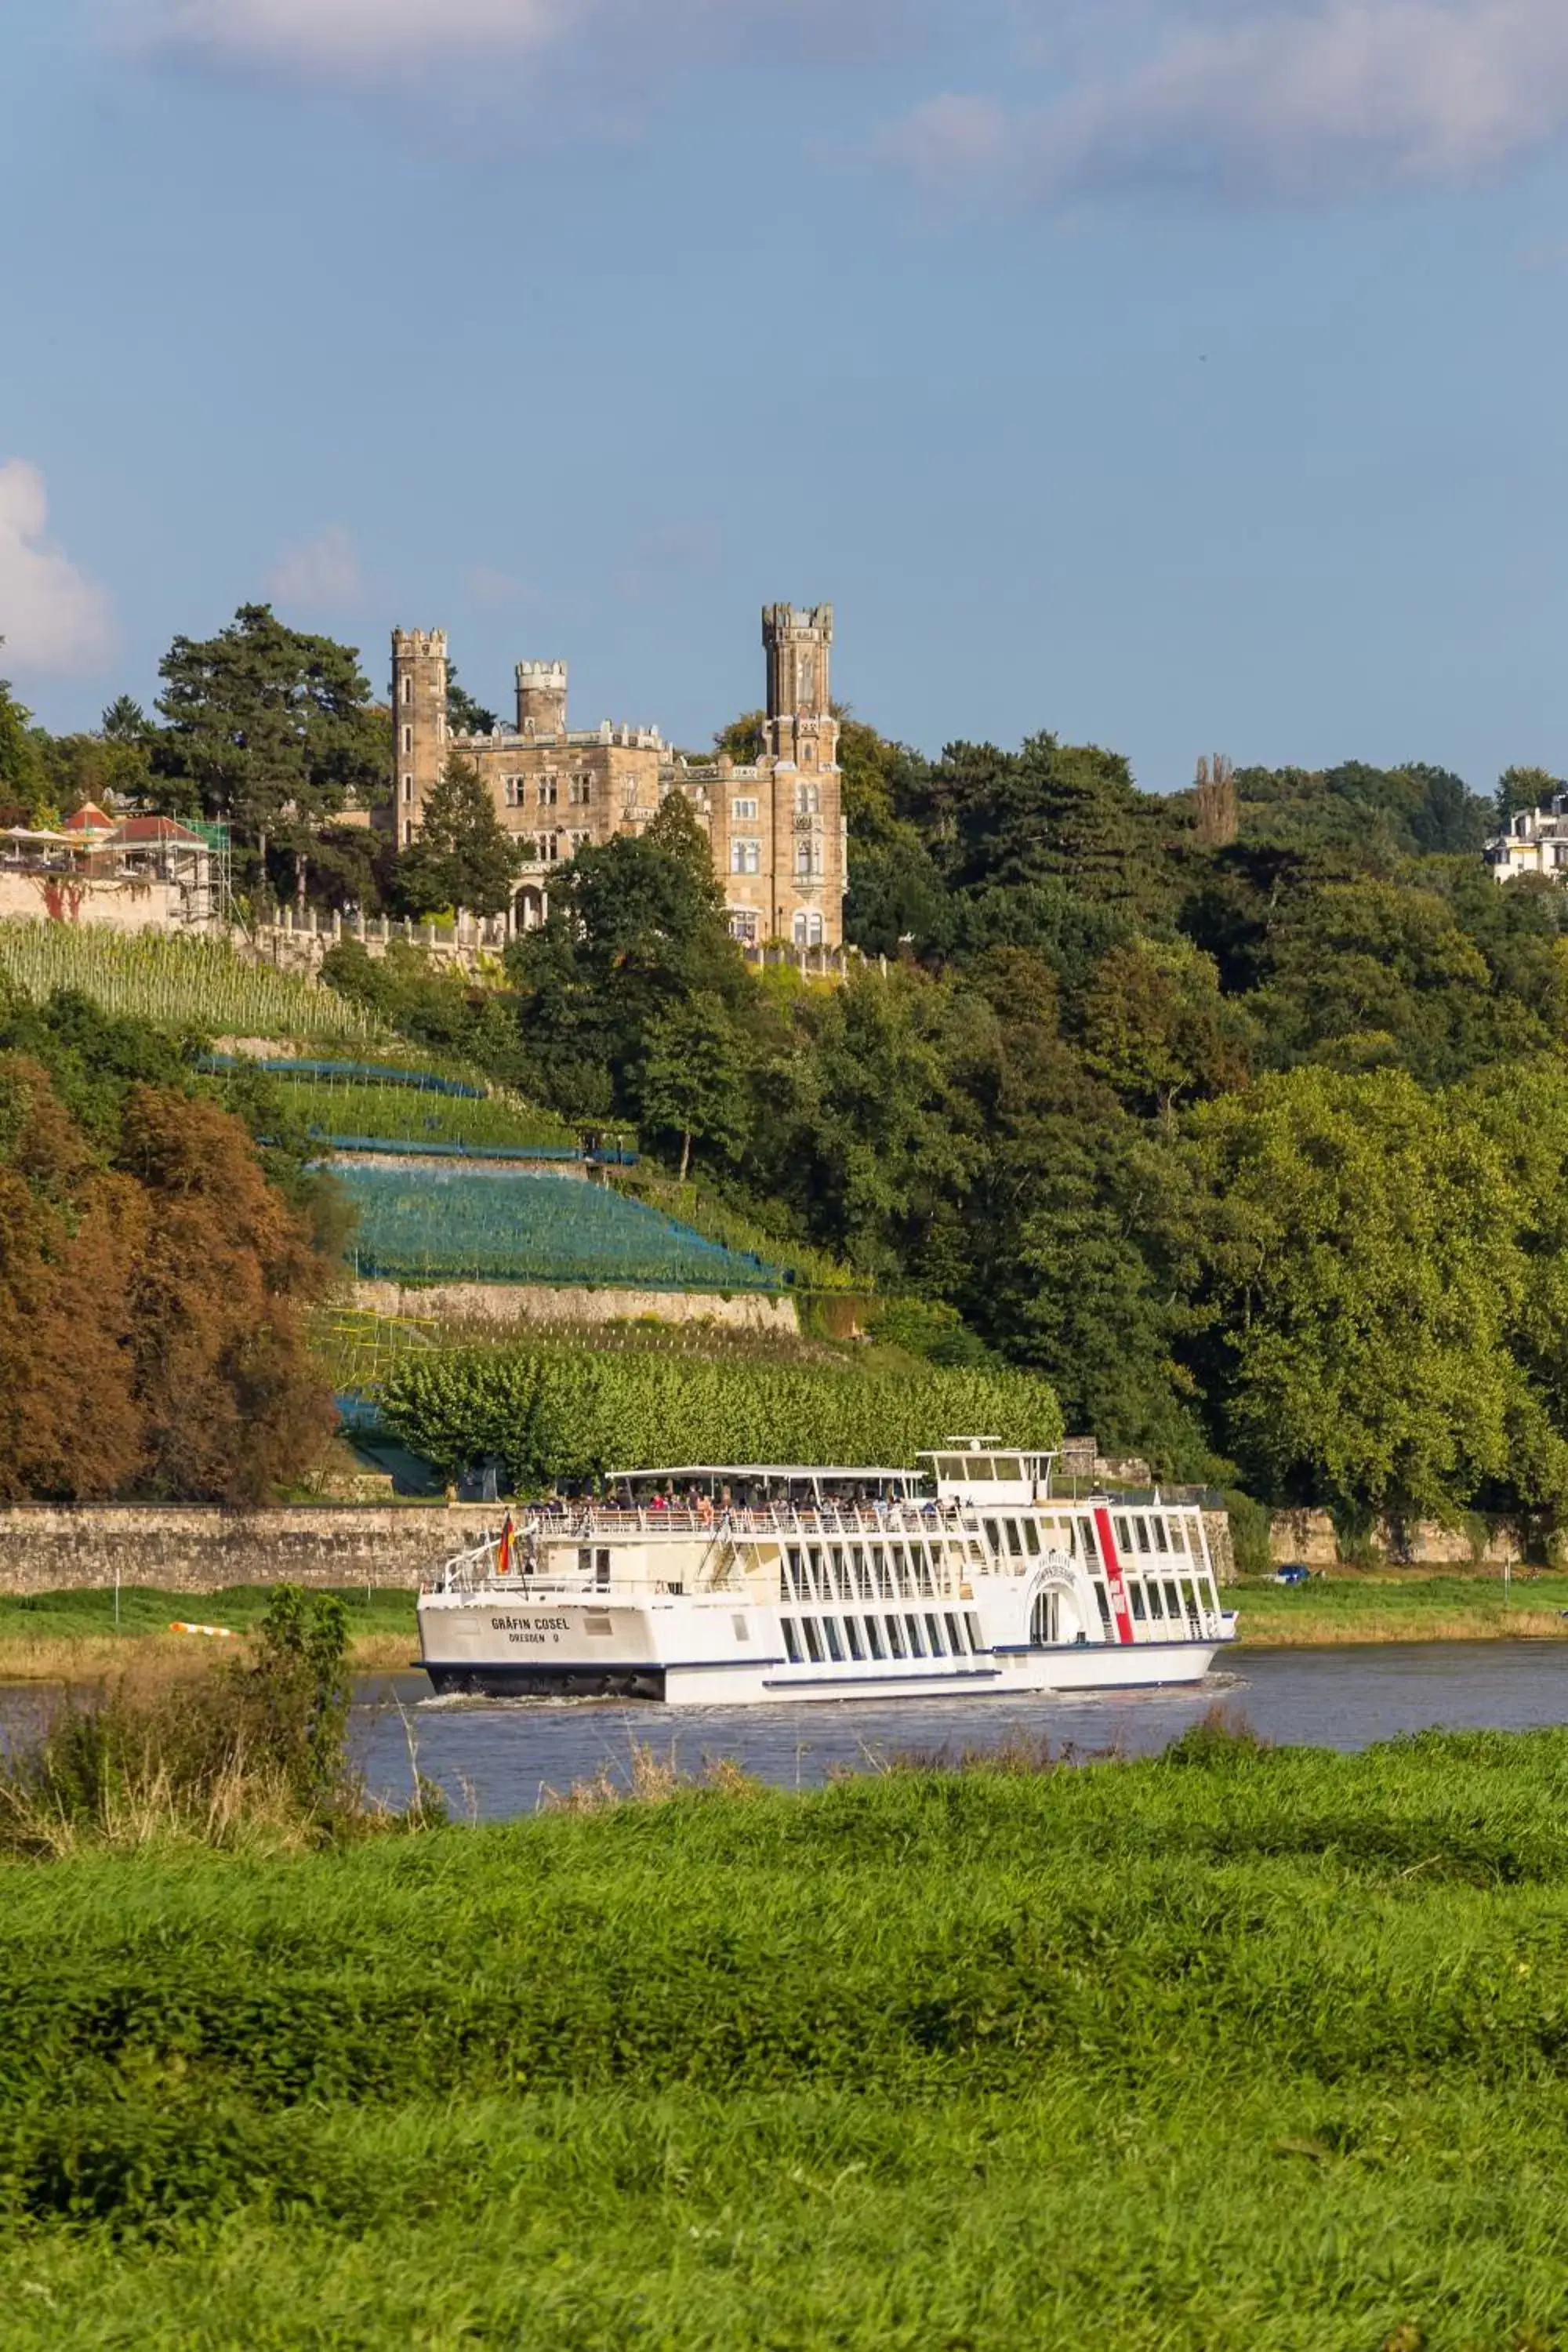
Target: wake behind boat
point(752, 1583)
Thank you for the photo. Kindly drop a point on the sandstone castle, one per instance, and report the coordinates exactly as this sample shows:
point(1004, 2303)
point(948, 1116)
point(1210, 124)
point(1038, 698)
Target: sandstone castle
point(775, 827)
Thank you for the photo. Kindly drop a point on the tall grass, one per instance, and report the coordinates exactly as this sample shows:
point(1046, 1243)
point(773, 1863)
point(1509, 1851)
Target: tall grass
point(1240, 2051)
point(257, 1749)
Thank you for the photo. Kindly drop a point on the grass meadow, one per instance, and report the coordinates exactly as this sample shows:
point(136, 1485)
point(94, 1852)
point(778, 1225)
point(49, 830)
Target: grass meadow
point(1230, 2052)
point(1369, 1605)
point(73, 1636)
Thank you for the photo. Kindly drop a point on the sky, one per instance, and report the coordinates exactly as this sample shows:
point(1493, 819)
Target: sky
point(1181, 375)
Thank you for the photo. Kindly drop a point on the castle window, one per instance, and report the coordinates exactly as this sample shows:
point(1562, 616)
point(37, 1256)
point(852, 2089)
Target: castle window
point(743, 925)
point(408, 739)
point(580, 791)
point(576, 841)
point(408, 788)
point(547, 791)
point(807, 931)
point(807, 800)
point(807, 859)
point(407, 686)
point(743, 811)
point(745, 858)
point(548, 848)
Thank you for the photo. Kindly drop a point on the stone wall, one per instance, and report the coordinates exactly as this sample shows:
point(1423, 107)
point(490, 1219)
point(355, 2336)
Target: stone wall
point(510, 1303)
point(1310, 1538)
point(193, 1547)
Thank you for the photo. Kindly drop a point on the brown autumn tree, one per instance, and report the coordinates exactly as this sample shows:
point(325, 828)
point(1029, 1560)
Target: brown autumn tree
point(151, 1331)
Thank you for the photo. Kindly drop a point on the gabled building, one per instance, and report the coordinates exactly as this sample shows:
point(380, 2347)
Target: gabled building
point(775, 824)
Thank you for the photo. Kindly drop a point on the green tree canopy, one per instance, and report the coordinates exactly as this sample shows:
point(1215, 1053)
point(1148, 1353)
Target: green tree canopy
point(464, 856)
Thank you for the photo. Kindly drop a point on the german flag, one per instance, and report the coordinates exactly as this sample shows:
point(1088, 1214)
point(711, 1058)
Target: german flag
point(503, 1549)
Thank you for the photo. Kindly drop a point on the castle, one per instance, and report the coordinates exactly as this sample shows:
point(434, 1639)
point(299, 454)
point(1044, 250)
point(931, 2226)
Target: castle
point(774, 825)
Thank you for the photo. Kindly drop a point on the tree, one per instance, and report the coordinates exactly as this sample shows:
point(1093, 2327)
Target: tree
point(23, 783)
point(270, 728)
point(1156, 1027)
point(693, 1081)
point(464, 715)
point(1523, 788)
point(464, 856)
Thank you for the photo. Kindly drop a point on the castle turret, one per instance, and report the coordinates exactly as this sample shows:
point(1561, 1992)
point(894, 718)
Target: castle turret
point(541, 697)
point(802, 747)
point(418, 723)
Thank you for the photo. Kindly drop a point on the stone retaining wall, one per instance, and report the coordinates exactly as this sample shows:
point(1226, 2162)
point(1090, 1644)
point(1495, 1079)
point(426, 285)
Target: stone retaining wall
point(524, 1302)
point(1310, 1538)
point(196, 1548)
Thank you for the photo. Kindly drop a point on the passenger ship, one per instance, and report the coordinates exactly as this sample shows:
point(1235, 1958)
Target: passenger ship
point(753, 1583)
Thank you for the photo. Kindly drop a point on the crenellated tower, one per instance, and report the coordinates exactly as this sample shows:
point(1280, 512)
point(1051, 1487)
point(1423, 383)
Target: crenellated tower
point(541, 697)
point(418, 723)
point(801, 746)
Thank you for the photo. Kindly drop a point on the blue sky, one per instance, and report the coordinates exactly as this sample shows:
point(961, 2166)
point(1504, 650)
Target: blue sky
point(1185, 375)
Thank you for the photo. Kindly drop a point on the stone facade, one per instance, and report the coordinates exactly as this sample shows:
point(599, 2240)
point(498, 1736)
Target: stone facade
point(775, 825)
point(193, 1548)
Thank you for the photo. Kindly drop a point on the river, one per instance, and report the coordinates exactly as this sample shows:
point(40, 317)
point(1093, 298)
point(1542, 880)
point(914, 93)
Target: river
point(498, 1759)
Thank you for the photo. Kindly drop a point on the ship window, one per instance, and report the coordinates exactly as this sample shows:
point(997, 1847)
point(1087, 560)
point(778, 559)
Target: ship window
point(821, 1589)
point(602, 1571)
point(791, 1640)
point(865, 1578)
point(951, 1466)
point(1007, 1465)
point(852, 1635)
point(792, 1574)
point(1160, 1542)
point(1172, 1599)
point(874, 1637)
point(917, 1639)
point(813, 1639)
point(1123, 1534)
point(1140, 1529)
point(835, 1640)
point(842, 1587)
point(977, 1639)
point(1156, 1606)
point(1139, 1611)
point(584, 1563)
point(993, 1536)
point(922, 1558)
point(1014, 1541)
point(933, 1634)
point(1191, 1597)
point(955, 1634)
point(1085, 1537)
point(895, 1638)
point(1099, 1595)
point(1032, 1537)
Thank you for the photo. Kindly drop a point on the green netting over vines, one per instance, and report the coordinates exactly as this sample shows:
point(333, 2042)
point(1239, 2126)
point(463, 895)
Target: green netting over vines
point(183, 983)
point(431, 1225)
point(550, 1413)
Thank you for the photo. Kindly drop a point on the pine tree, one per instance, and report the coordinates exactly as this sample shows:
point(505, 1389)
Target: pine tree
point(464, 856)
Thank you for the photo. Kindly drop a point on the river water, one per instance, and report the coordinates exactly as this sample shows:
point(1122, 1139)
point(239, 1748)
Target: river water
point(498, 1759)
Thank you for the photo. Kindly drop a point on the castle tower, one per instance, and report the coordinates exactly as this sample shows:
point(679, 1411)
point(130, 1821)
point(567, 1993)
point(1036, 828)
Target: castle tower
point(418, 723)
point(541, 697)
point(801, 746)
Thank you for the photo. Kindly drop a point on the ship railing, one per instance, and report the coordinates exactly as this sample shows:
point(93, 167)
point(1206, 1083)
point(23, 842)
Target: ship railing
point(618, 1521)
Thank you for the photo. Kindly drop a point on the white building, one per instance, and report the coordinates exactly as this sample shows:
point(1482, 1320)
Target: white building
point(1535, 843)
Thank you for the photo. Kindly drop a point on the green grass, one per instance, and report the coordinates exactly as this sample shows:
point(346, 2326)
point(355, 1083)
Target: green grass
point(804, 1266)
point(1243, 2055)
point(1356, 1606)
point(146, 1609)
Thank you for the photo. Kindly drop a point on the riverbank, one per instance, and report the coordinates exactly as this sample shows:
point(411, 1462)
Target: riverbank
point(1399, 1605)
point(1235, 2051)
point(89, 1637)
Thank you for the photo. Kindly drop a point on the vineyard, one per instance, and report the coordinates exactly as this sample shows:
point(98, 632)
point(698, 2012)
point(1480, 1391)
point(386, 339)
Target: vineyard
point(395, 1110)
point(441, 1224)
point(194, 984)
point(570, 1412)
point(804, 1267)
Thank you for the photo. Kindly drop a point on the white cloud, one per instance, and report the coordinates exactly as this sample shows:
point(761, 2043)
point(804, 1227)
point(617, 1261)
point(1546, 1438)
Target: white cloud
point(949, 137)
point(392, 42)
point(1298, 98)
point(484, 584)
point(52, 616)
point(323, 575)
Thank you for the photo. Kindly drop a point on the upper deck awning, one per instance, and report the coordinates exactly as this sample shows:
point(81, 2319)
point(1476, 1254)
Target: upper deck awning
point(791, 1473)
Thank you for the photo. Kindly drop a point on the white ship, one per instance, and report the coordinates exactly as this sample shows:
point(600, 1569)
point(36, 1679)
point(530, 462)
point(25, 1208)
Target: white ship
point(749, 1583)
